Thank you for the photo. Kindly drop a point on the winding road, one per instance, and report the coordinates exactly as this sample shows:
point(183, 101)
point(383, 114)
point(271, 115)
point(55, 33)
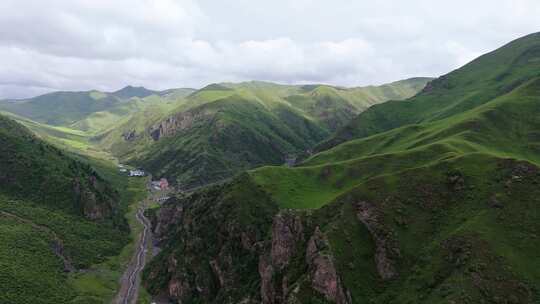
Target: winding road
point(129, 289)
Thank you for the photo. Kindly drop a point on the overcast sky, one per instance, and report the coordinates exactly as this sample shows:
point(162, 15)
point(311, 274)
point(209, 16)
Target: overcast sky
point(105, 44)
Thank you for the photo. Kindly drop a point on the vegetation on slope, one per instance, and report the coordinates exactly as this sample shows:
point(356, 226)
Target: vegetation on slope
point(90, 111)
point(58, 214)
point(224, 128)
point(433, 203)
point(476, 83)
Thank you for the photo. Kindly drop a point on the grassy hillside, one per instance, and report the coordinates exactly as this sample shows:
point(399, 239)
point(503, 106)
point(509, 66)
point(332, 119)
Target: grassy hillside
point(58, 215)
point(90, 111)
point(476, 83)
point(224, 128)
point(227, 136)
point(125, 123)
point(435, 201)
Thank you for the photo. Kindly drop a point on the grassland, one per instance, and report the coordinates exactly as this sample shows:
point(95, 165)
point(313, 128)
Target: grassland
point(487, 77)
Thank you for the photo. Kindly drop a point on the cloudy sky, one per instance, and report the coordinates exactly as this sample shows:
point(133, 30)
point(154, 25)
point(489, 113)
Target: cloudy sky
point(106, 44)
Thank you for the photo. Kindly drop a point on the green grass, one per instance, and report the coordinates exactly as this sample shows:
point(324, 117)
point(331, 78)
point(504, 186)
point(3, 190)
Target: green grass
point(504, 128)
point(100, 281)
point(466, 88)
point(451, 180)
point(102, 251)
point(246, 115)
point(40, 193)
point(22, 245)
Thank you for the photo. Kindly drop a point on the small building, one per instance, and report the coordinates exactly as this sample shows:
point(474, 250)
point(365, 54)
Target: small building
point(155, 185)
point(163, 184)
point(136, 173)
point(290, 160)
point(162, 199)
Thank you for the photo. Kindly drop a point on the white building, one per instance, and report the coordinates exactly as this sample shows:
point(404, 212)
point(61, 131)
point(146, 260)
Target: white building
point(136, 173)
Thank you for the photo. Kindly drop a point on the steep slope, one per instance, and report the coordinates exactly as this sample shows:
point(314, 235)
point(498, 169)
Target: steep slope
point(61, 108)
point(210, 142)
point(57, 215)
point(440, 208)
point(478, 82)
point(224, 128)
point(69, 185)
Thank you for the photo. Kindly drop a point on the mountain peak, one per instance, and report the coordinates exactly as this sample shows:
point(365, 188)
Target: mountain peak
point(130, 91)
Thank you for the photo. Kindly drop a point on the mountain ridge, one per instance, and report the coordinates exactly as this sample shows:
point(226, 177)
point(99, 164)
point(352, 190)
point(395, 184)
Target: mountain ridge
point(309, 115)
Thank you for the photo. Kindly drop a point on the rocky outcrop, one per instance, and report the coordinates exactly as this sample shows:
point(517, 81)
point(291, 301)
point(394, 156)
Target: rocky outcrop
point(386, 249)
point(178, 122)
point(217, 248)
point(279, 279)
point(287, 234)
point(168, 215)
point(322, 271)
point(92, 201)
point(130, 135)
point(266, 272)
point(211, 247)
point(287, 239)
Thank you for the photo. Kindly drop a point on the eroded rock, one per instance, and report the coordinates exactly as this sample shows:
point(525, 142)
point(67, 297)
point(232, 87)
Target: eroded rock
point(322, 271)
point(386, 250)
point(287, 232)
point(178, 122)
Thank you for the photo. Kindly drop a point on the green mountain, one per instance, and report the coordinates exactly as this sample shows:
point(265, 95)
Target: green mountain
point(222, 129)
point(90, 111)
point(429, 200)
point(480, 81)
point(130, 91)
point(57, 215)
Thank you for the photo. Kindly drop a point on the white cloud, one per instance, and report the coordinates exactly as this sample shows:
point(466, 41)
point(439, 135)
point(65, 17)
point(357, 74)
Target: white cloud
point(85, 44)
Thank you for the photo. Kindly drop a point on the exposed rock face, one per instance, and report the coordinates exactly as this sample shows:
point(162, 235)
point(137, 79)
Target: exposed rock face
point(168, 215)
point(322, 272)
point(287, 232)
point(214, 250)
point(456, 181)
point(217, 249)
point(130, 135)
point(266, 271)
point(287, 237)
point(93, 204)
point(386, 251)
point(178, 122)
point(287, 244)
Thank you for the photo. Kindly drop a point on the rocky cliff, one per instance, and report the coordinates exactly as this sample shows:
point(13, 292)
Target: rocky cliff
point(179, 122)
point(231, 244)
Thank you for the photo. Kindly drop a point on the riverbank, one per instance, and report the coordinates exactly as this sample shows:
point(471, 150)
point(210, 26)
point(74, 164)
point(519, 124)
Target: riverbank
point(100, 283)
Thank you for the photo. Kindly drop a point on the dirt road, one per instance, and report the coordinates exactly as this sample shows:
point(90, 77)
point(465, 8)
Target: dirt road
point(131, 279)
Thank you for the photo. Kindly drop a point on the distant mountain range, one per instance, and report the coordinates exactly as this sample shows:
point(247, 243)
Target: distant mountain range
point(87, 111)
point(196, 137)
